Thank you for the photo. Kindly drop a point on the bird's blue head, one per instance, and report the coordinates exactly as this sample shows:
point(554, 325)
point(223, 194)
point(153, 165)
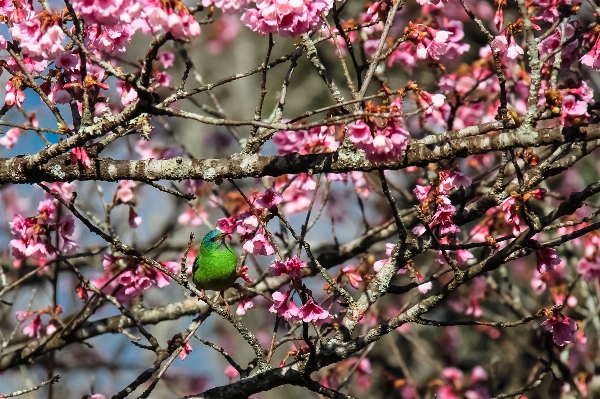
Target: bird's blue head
point(213, 239)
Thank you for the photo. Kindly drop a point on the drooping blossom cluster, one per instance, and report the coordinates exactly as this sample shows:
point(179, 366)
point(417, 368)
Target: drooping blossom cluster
point(151, 16)
point(437, 38)
point(382, 139)
point(35, 328)
point(35, 234)
point(286, 17)
point(562, 328)
point(296, 196)
point(283, 304)
point(547, 259)
point(316, 140)
point(514, 206)
point(10, 138)
point(135, 277)
point(247, 224)
point(435, 201)
point(455, 386)
point(125, 195)
point(310, 311)
point(292, 267)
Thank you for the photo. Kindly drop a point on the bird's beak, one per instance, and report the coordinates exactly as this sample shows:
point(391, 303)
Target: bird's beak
point(221, 237)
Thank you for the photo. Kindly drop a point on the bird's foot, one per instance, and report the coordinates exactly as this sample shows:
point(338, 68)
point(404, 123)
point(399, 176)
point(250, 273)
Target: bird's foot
point(227, 309)
point(202, 295)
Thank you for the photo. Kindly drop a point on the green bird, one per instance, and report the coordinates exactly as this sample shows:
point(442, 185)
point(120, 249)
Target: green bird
point(215, 265)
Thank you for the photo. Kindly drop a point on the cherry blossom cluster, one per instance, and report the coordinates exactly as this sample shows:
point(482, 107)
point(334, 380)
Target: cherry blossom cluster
point(299, 189)
point(133, 276)
point(440, 38)
point(562, 328)
point(435, 201)
point(455, 386)
point(125, 195)
point(381, 140)
point(286, 18)
point(248, 224)
point(310, 311)
point(35, 328)
point(35, 235)
point(123, 17)
point(283, 304)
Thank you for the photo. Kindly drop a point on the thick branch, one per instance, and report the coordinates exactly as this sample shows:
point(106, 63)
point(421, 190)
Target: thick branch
point(420, 152)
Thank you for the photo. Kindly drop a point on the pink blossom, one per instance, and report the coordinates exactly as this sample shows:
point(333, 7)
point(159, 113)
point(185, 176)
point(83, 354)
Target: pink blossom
point(108, 12)
point(572, 108)
point(136, 280)
point(436, 47)
point(291, 266)
point(405, 55)
point(34, 328)
point(478, 374)
point(185, 351)
point(514, 50)
point(280, 306)
point(51, 328)
point(156, 17)
point(109, 39)
point(161, 278)
point(10, 138)
point(423, 287)
point(23, 315)
point(193, 216)
point(316, 140)
point(453, 374)
point(243, 273)
point(562, 329)
point(14, 95)
point(134, 219)
point(80, 156)
point(422, 192)
point(226, 225)
point(247, 223)
point(67, 61)
point(589, 268)
point(259, 245)
point(353, 276)
point(511, 214)
point(244, 304)
point(231, 372)
point(547, 259)
point(476, 295)
point(225, 29)
point(228, 6)
point(34, 236)
point(459, 179)
point(364, 371)
point(360, 133)
point(125, 191)
point(31, 65)
point(552, 42)
point(166, 58)
point(127, 92)
point(108, 260)
point(296, 198)
point(389, 248)
point(429, 102)
point(269, 199)
point(310, 311)
point(286, 17)
point(387, 143)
